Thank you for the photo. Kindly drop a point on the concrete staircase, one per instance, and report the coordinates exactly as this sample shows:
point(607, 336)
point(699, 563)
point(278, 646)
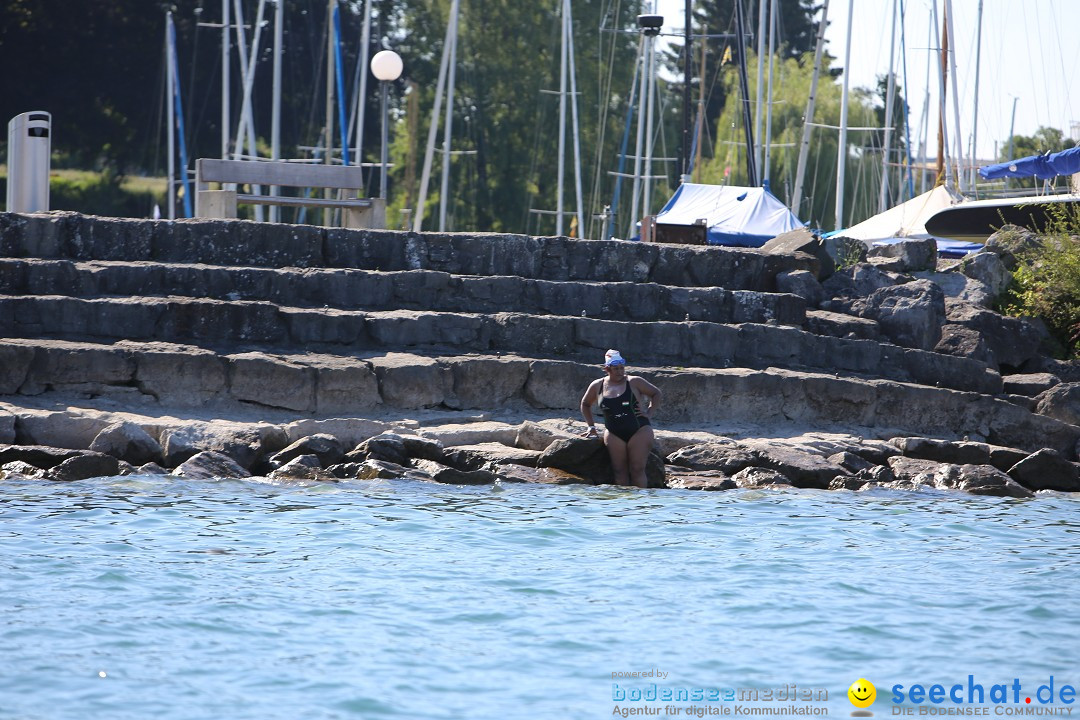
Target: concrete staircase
point(325, 321)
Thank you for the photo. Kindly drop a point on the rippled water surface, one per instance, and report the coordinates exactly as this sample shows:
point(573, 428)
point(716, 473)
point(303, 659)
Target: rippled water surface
point(144, 598)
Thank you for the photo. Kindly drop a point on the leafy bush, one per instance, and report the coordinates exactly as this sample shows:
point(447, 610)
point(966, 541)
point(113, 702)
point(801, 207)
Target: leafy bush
point(1046, 283)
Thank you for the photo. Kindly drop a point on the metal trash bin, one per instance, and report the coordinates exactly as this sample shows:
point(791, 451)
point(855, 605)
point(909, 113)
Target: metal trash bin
point(29, 150)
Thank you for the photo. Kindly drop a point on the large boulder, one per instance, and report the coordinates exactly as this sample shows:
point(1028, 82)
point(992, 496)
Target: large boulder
point(85, 466)
point(1012, 340)
point(987, 268)
point(859, 281)
point(944, 451)
point(209, 465)
point(1046, 470)
point(802, 240)
point(834, 324)
point(753, 478)
point(726, 458)
point(1030, 384)
point(128, 441)
point(1011, 243)
point(911, 254)
point(978, 480)
point(326, 448)
point(910, 315)
point(961, 341)
point(801, 283)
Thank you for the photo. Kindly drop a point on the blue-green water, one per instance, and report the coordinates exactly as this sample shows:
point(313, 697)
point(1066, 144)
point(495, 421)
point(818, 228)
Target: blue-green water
point(151, 598)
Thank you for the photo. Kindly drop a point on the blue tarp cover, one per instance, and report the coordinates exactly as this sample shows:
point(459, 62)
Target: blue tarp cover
point(1044, 167)
point(736, 216)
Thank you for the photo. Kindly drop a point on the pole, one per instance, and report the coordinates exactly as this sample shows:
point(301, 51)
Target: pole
point(444, 197)
point(804, 147)
point(330, 7)
point(744, 87)
point(688, 71)
point(975, 113)
point(890, 96)
point(433, 127)
point(766, 140)
point(760, 78)
point(646, 198)
point(385, 154)
point(638, 148)
point(574, 120)
point(841, 149)
point(562, 126)
point(275, 118)
point(361, 95)
point(226, 51)
point(170, 115)
point(1012, 127)
point(961, 181)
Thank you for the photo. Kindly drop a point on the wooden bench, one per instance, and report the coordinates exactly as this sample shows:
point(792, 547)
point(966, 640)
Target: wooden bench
point(357, 212)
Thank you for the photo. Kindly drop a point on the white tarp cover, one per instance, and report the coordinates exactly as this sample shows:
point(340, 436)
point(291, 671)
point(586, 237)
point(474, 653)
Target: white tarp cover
point(739, 216)
point(906, 220)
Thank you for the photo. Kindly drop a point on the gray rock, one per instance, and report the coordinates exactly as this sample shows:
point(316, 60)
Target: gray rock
point(804, 241)
point(543, 476)
point(423, 447)
point(1046, 470)
point(1029, 384)
point(7, 427)
point(20, 469)
point(961, 341)
point(408, 381)
point(41, 456)
point(1010, 243)
point(847, 482)
point(944, 451)
point(979, 480)
point(804, 469)
point(960, 287)
point(128, 441)
point(85, 466)
point(1012, 340)
point(845, 251)
point(326, 448)
point(452, 476)
point(570, 453)
point(267, 380)
point(801, 283)
point(389, 447)
point(722, 458)
point(488, 456)
point(859, 281)
point(911, 314)
point(242, 443)
point(208, 465)
point(850, 462)
point(987, 268)
point(913, 472)
point(370, 470)
point(302, 467)
point(711, 482)
point(533, 436)
point(1061, 402)
point(912, 254)
point(758, 477)
point(151, 468)
point(833, 324)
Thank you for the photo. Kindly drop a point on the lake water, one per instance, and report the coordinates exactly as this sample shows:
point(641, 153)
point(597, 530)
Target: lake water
point(165, 598)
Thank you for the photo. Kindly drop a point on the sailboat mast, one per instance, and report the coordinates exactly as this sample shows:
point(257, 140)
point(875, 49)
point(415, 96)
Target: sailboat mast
point(766, 140)
point(740, 47)
point(687, 74)
point(170, 115)
point(275, 118)
point(950, 23)
point(760, 78)
point(226, 51)
point(975, 112)
point(444, 197)
point(841, 150)
point(433, 128)
point(562, 126)
point(890, 96)
point(804, 147)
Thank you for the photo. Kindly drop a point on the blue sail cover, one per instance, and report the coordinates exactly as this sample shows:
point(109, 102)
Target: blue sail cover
point(1044, 167)
point(734, 216)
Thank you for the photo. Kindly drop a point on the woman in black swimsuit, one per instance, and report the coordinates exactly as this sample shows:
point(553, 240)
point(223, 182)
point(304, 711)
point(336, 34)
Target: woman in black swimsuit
point(628, 434)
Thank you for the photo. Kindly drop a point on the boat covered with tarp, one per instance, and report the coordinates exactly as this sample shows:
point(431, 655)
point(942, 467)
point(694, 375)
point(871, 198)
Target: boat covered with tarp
point(723, 215)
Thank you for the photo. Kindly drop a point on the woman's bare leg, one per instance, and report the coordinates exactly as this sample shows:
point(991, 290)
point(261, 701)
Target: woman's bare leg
point(637, 451)
point(617, 449)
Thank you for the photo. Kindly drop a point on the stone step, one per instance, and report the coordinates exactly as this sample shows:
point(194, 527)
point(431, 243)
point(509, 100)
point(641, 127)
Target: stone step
point(692, 344)
point(394, 290)
point(166, 375)
point(71, 236)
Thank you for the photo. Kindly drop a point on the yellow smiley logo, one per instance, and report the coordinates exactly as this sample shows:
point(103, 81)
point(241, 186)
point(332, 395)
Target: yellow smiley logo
point(862, 693)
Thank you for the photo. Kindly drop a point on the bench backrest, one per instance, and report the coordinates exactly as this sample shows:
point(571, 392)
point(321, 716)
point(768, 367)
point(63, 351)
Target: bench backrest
point(256, 172)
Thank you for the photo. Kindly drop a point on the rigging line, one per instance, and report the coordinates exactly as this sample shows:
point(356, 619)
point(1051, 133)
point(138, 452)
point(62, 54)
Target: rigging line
point(603, 91)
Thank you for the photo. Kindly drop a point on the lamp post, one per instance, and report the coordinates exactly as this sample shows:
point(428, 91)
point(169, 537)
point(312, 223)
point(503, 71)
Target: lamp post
point(386, 66)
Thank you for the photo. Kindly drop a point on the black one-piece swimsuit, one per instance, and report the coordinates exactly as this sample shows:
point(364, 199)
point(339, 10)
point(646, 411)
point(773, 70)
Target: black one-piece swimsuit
point(621, 416)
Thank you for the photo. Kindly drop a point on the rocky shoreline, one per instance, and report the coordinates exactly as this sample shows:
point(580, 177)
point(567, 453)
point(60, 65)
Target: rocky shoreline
point(293, 354)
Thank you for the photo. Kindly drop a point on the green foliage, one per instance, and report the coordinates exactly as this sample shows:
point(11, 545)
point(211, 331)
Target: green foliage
point(104, 193)
point(1046, 283)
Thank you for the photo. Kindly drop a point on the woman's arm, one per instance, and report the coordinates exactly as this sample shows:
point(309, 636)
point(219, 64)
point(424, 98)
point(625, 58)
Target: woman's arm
point(643, 387)
point(587, 401)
